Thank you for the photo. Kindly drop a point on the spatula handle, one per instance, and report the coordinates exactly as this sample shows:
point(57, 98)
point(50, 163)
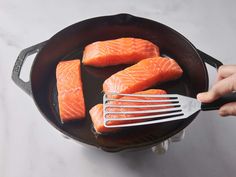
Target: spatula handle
point(219, 102)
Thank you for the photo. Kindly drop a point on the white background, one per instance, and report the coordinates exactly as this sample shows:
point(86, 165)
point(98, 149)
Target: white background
point(30, 147)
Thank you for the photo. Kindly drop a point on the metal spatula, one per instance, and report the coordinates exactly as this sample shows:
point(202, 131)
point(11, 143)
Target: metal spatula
point(158, 109)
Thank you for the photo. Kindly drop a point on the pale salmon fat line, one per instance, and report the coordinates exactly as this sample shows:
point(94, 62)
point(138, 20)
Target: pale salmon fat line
point(143, 75)
point(119, 51)
point(70, 91)
point(96, 112)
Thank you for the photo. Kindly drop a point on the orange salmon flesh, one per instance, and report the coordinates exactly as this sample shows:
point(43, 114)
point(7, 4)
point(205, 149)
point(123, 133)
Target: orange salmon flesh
point(96, 112)
point(143, 75)
point(70, 91)
point(118, 51)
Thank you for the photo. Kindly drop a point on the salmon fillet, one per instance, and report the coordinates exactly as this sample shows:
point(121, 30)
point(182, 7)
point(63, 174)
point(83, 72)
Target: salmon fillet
point(118, 51)
point(143, 75)
point(96, 112)
point(70, 92)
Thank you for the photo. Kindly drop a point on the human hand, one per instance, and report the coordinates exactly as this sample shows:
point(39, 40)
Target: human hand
point(226, 83)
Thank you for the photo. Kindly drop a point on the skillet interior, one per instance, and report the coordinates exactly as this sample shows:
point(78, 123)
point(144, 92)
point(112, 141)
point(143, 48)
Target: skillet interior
point(69, 43)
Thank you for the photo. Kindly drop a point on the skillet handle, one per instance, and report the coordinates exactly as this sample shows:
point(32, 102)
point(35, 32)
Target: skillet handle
point(219, 102)
point(210, 60)
point(26, 86)
point(223, 100)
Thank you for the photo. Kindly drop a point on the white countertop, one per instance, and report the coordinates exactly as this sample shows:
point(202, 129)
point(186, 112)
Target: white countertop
point(30, 147)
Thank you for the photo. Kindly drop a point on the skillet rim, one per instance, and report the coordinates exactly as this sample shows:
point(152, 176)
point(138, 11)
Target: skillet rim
point(127, 147)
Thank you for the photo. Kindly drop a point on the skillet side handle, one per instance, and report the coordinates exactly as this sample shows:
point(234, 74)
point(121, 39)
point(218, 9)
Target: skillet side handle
point(215, 105)
point(26, 86)
point(210, 60)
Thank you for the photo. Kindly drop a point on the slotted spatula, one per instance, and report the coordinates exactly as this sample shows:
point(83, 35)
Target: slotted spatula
point(159, 109)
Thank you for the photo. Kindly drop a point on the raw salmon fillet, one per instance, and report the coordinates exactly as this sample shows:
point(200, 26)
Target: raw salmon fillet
point(96, 112)
point(143, 75)
point(118, 51)
point(70, 92)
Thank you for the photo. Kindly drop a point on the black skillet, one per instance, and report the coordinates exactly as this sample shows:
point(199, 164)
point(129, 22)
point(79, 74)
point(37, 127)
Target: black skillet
point(69, 43)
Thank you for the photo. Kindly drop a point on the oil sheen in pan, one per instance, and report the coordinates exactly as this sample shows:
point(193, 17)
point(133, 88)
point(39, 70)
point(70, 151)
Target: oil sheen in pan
point(93, 79)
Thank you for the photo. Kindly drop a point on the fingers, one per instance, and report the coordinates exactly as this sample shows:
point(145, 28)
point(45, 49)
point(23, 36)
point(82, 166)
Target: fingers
point(226, 83)
point(225, 71)
point(221, 88)
point(228, 109)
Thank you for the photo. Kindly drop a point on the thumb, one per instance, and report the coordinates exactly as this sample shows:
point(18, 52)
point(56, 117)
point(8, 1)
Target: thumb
point(220, 89)
point(228, 109)
point(206, 97)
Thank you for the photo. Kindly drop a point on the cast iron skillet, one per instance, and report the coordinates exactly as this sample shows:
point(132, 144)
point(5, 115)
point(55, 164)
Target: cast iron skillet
point(69, 43)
